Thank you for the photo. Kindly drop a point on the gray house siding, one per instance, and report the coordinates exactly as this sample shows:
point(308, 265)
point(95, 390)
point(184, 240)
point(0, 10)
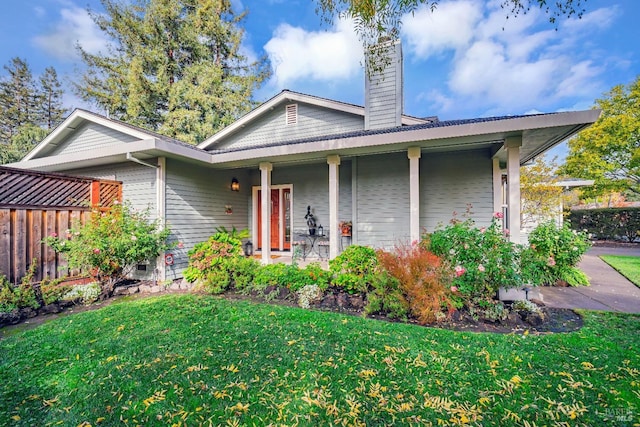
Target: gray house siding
point(383, 200)
point(384, 93)
point(449, 182)
point(312, 121)
point(195, 206)
point(310, 185)
point(91, 136)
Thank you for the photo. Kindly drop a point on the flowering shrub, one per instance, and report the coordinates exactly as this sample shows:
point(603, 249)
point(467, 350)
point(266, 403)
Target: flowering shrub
point(483, 259)
point(422, 278)
point(24, 295)
point(353, 270)
point(110, 244)
point(553, 254)
point(215, 262)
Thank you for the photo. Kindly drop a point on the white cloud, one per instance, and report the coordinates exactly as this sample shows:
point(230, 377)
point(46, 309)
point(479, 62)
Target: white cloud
point(75, 27)
point(505, 65)
point(450, 26)
point(297, 54)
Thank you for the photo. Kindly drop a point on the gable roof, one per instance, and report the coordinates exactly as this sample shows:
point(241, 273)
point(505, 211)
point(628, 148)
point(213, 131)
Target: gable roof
point(287, 96)
point(147, 144)
point(80, 116)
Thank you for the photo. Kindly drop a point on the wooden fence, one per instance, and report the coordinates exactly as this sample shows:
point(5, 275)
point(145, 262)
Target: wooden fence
point(34, 205)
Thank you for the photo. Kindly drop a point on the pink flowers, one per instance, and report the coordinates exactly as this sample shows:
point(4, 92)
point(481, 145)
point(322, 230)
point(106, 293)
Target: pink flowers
point(481, 268)
point(54, 234)
point(96, 251)
point(551, 261)
point(454, 289)
point(180, 245)
point(498, 215)
point(459, 270)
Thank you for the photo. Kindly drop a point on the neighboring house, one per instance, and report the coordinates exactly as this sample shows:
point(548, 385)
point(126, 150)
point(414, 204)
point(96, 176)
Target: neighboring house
point(392, 175)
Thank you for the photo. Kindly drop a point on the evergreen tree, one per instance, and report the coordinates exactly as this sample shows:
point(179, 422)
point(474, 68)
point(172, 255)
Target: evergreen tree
point(50, 99)
point(18, 95)
point(28, 110)
point(174, 66)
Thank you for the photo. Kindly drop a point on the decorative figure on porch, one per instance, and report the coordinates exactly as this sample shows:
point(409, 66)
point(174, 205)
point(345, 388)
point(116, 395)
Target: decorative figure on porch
point(311, 221)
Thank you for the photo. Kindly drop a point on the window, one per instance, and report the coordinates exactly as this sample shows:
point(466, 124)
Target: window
point(291, 114)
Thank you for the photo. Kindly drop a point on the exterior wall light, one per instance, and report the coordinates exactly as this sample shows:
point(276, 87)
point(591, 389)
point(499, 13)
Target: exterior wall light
point(235, 185)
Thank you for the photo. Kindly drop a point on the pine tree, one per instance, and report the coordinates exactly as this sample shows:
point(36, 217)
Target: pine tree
point(50, 99)
point(18, 95)
point(28, 109)
point(174, 66)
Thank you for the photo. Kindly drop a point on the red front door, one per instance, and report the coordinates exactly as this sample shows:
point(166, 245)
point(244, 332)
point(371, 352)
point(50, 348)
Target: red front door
point(280, 208)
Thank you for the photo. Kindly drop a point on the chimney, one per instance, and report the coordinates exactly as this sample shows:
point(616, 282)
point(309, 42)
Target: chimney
point(383, 88)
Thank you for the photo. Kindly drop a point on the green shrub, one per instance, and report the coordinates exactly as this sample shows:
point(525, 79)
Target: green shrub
point(316, 275)
point(22, 296)
point(553, 253)
point(608, 223)
point(53, 290)
point(386, 297)
point(243, 271)
point(214, 262)
point(482, 259)
point(354, 269)
point(111, 243)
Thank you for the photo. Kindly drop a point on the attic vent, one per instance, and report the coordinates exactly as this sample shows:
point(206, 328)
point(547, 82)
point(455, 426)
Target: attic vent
point(291, 114)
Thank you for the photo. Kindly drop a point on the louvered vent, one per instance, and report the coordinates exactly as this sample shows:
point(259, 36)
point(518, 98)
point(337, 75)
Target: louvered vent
point(291, 114)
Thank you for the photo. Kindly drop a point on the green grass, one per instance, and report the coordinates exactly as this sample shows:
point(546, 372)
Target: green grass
point(628, 266)
point(199, 360)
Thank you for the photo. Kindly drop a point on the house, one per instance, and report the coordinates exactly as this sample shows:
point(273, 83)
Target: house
point(391, 174)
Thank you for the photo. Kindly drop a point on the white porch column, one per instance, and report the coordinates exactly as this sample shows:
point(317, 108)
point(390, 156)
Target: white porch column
point(334, 186)
point(265, 211)
point(414, 193)
point(513, 186)
point(161, 175)
point(497, 186)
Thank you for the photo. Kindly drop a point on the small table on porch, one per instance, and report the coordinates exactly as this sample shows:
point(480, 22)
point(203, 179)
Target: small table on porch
point(309, 243)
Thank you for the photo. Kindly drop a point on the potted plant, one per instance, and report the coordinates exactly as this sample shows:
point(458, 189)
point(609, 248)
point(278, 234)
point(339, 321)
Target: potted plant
point(345, 227)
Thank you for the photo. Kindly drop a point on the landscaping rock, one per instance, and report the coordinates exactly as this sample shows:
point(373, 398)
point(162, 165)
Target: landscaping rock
point(51, 309)
point(155, 289)
point(512, 318)
point(283, 292)
point(175, 286)
point(184, 285)
point(121, 290)
point(29, 312)
point(342, 300)
point(356, 302)
point(144, 289)
point(133, 290)
point(534, 319)
point(329, 301)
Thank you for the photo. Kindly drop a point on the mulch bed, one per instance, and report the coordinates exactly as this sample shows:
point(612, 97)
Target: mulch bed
point(552, 320)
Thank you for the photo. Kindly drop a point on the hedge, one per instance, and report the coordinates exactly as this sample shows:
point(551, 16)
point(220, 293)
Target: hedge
point(609, 223)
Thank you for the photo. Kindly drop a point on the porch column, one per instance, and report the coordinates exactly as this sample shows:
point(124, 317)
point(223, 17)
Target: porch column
point(414, 153)
point(334, 185)
point(497, 186)
point(513, 186)
point(265, 211)
point(161, 175)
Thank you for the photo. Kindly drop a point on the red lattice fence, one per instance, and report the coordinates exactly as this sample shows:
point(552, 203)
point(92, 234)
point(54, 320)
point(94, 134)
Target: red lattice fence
point(34, 205)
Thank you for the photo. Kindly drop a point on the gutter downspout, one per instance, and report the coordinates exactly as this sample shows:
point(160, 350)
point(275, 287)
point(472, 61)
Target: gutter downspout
point(160, 167)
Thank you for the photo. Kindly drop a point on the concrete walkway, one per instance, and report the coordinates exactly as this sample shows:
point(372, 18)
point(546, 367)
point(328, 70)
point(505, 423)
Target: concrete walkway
point(609, 290)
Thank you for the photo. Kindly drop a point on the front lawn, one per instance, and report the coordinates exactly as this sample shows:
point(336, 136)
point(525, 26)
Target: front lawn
point(192, 360)
point(628, 266)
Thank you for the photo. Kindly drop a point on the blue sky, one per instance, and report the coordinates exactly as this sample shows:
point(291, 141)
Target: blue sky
point(463, 60)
